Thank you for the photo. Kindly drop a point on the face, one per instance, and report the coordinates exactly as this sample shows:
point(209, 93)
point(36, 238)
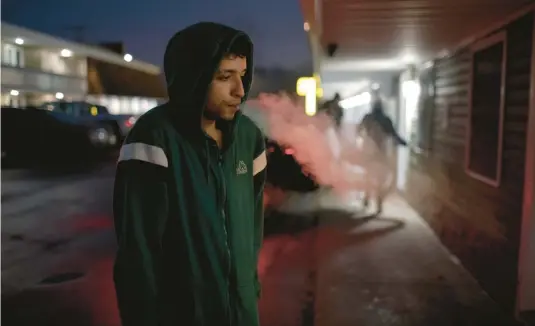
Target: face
point(226, 90)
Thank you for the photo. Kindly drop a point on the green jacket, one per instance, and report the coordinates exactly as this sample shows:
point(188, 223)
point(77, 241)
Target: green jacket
point(189, 216)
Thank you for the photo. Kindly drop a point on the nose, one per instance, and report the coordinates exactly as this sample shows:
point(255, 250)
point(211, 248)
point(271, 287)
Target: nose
point(238, 90)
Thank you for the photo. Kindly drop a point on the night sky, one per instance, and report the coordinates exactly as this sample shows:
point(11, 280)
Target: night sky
point(276, 26)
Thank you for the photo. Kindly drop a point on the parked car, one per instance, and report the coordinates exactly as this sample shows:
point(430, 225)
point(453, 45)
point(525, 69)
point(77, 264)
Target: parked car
point(32, 137)
point(284, 171)
point(106, 130)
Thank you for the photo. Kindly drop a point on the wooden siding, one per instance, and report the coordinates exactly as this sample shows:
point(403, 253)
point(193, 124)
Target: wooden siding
point(479, 223)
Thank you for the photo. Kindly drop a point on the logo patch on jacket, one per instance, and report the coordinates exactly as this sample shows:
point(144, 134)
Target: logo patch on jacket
point(242, 168)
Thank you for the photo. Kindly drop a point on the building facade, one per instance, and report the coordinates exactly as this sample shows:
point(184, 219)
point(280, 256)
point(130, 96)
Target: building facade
point(465, 99)
point(470, 120)
point(39, 68)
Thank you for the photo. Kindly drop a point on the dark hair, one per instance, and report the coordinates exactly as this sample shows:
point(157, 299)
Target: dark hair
point(377, 105)
point(239, 48)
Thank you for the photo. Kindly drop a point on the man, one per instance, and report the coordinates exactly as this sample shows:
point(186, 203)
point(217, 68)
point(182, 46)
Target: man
point(378, 129)
point(188, 191)
point(337, 111)
point(334, 110)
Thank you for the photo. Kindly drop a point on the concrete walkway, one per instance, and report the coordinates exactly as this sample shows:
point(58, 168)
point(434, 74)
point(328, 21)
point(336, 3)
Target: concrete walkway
point(393, 271)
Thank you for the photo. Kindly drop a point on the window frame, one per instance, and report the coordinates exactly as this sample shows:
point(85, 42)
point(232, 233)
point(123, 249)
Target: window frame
point(500, 37)
point(12, 55)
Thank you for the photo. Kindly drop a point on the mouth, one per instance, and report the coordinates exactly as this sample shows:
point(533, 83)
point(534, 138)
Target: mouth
point(234, 106)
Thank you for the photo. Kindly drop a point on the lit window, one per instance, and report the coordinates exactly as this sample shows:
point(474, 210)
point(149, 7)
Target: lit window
point(136, 105)
point(485, 120)
point(145, 105)
point(12, 55)
point(125, 105)
point(152, 103)
point(114, 105)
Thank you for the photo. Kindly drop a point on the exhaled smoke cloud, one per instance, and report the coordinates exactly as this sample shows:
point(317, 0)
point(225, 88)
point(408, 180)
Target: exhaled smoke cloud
point(338, 159)
point(331, 159)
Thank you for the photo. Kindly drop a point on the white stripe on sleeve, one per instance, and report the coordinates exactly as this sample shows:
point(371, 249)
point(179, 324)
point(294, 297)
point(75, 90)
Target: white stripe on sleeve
point(143, 152)
point(259, 163)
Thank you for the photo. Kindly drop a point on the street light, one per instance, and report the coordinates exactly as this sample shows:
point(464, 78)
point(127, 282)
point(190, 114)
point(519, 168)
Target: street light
point(66, 53)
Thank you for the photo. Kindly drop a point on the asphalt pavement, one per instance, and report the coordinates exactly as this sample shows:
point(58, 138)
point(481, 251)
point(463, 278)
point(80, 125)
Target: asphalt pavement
point(58, 248)
point(333, 266)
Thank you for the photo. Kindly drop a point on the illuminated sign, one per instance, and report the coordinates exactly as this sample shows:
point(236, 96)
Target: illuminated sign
point(307, 87)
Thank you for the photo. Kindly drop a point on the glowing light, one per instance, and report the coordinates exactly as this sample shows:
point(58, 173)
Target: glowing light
point(319, 89)
point(357, 100)
point(306, 26)
point(306, 86)
point(19, 41)
point(66, 53)
point(411, 91)
point(14, 92)
point(93, 111)
point(130, 122)
point(409, 58)
point(60, 95)
point(128, 57)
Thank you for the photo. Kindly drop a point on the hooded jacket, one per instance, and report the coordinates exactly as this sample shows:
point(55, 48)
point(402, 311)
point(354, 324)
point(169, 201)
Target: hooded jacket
point(189, 215)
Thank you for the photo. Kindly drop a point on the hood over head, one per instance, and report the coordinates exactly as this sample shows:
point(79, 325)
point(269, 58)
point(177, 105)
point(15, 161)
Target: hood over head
point(192, 57)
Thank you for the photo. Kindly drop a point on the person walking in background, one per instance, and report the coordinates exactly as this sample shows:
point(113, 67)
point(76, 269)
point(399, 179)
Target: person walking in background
point(378, 129)
point(333, 109)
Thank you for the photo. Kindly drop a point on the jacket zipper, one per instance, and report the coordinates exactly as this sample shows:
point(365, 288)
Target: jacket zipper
point(225, 229)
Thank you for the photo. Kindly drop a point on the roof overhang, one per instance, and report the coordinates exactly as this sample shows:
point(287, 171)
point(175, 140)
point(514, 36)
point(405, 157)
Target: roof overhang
point(34, 38)
point(386, 35)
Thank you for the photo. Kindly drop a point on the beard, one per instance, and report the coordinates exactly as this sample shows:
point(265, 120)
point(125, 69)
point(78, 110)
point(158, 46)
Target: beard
point(221, 113)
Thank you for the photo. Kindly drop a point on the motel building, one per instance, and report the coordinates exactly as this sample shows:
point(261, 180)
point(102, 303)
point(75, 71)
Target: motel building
point(38, 68)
